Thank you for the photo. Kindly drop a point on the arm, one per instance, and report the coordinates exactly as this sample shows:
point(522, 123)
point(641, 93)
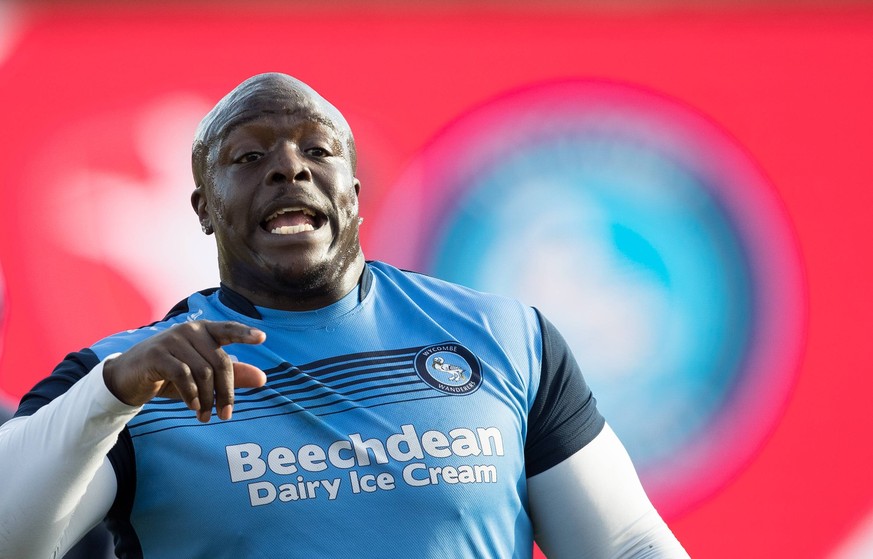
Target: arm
point(593, 505)
point(56, 481)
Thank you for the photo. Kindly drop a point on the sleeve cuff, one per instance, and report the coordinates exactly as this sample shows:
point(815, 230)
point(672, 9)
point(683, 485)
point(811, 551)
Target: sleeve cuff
point(102, 397)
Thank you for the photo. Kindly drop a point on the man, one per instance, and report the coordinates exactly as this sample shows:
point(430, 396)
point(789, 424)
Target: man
point(362, 411)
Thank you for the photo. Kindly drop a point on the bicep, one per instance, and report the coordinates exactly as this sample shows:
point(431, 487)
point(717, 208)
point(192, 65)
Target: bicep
point(593, 505)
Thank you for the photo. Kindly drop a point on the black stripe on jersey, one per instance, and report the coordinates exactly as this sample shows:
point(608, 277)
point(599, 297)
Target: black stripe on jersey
point(281, 402)
point(345, 367)
point(315, 365)
point(355, 406)
point(299, 376)
point(322, 387)
point(294, 374)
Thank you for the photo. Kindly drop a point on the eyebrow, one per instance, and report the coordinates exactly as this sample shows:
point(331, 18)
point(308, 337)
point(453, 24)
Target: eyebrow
point(247, 117)
point(340, 141)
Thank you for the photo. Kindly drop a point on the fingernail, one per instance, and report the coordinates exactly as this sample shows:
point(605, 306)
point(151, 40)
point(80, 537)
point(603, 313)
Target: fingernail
point(195, 404)
point(226, 412)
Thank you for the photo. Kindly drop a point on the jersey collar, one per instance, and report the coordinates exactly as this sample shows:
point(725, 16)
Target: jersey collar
point(240, 304)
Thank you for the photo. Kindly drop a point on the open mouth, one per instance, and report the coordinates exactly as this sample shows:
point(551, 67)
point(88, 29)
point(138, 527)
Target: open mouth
point(293, 220)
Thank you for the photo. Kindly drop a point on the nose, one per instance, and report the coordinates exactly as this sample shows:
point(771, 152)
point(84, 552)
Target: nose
point(289, 165)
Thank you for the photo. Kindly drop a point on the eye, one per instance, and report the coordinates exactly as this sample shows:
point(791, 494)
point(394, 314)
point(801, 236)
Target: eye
point(248, 157)
point(318, 151)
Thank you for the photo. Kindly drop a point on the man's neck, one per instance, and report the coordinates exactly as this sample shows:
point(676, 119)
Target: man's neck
point(299, 296)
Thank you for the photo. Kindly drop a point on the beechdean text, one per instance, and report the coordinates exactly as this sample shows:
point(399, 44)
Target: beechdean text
point(422, 454)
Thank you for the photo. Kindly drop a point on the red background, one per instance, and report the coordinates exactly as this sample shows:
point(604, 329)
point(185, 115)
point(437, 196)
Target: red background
point(793, 86)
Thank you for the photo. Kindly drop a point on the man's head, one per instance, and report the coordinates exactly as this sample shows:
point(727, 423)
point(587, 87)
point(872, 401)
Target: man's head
point(274, 168)
point(236, 107)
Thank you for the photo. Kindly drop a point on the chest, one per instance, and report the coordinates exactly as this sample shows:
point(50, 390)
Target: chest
point(417, 438)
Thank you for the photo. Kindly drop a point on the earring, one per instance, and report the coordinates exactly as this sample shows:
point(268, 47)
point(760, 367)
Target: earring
point(360, 220)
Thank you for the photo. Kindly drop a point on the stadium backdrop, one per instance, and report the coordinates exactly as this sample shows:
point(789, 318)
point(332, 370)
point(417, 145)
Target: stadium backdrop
point(684, 192)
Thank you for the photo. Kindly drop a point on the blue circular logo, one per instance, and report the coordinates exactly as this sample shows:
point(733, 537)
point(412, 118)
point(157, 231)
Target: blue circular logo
point(450, 368)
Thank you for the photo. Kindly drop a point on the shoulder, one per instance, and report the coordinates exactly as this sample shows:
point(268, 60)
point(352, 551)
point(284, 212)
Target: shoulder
point(422, 287)
point(500, 329)
point(77, 364)
point(564, 417)
point(67, 373)
point(196, 306)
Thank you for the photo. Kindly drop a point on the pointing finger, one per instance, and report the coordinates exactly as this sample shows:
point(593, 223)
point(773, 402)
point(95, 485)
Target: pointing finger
point(220, 375)
point(229, 332)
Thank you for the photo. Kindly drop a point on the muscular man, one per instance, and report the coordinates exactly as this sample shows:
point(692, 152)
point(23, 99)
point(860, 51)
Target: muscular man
point(341, 408)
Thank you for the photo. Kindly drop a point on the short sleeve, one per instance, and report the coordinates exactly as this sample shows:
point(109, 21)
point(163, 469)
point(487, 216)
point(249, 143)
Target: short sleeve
point(564, 416)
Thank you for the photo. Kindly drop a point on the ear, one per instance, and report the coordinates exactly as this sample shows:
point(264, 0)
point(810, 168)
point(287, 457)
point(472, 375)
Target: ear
point(357, 184)
point(199, 203)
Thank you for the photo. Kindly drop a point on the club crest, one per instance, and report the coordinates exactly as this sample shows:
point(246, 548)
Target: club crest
point(450, 368)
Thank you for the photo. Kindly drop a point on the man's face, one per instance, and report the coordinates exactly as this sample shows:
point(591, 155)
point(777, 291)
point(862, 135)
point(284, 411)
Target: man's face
point(283, 199)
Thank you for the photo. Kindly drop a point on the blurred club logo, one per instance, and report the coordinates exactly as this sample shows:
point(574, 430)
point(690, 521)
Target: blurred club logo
point(648, 236)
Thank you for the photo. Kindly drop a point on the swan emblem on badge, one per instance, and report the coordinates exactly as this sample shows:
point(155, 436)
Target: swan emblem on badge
point(455, 373)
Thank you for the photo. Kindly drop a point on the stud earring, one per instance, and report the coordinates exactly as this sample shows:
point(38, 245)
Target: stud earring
point(360, 220)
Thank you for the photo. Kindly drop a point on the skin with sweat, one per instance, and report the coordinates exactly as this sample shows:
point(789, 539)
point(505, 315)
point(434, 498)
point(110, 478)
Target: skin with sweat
point(274, 168)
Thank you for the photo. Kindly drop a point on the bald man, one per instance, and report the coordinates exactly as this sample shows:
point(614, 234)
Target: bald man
point(316, 404)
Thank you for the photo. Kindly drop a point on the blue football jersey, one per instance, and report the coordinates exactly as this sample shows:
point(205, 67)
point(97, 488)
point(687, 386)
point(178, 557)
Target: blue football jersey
point(402, 419)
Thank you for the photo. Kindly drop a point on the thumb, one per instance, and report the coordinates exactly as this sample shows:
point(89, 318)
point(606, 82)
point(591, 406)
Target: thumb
point(248, 376)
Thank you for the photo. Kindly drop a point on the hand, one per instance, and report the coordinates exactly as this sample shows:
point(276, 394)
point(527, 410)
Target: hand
point(186, 362)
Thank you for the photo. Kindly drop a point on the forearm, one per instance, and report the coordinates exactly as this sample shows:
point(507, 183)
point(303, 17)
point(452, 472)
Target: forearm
point(48, 463)
point(592, 505)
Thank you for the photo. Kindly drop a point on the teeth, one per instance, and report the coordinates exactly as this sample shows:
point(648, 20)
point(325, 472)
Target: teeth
point(292, 229)
point(306, 211)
